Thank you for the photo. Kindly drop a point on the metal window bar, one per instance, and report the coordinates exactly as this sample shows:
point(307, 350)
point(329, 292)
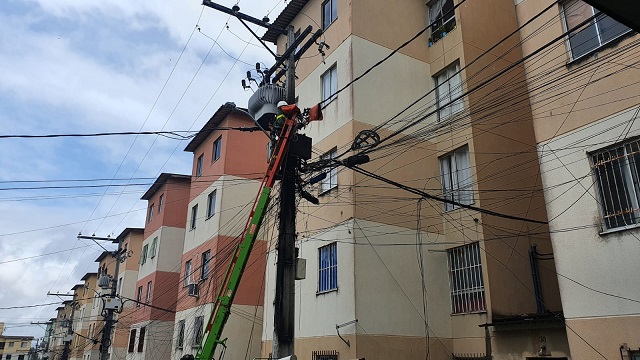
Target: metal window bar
point(471, 357)
point(465, 279)
point(325, 355)
point(328, 268)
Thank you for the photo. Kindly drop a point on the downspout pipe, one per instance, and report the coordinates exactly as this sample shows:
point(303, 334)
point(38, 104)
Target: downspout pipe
point(535, 275)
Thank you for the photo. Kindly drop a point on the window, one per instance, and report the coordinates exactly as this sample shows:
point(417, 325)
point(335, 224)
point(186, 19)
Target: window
point(180, 342)
point(217, 149)
point(154, 247)
point(597, 33)
point(199, 165)
point(11, 344)
point(150, 216)
point(1, 345)
point(329, 12)
point(194, 216)
point(617, 173)
point(325, 355)
point(8, 357)
point(24, 343)
point(456, 177)
point(442, 19)
point(329, 82)
point(448, 89)
point(634, 355)
point(160, 203)
point(132, 340)
point(139, 296)
point(148, 299)
point(119, 285)
point(328, 268)
point(197, 331)
point(141, 340)
point(211, 204)
point(20, 357)
point(331, 180)
point(187, 273)
point(143, 254)
point(204, 269)
point(465, 279)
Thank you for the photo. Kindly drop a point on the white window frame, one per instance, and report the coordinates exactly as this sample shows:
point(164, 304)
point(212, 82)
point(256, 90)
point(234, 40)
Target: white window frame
point(595, 23)
point(211, 203)
point(456, 178)
point(331, 180)
point(333, 13)
point(448, 87)
point(188, 266)
point(160, 203)
point(139, 296)
point(217, 149)
point(194, 217)
point(328, 268)
point(615, 170)
point(329, 84)
point(150, 215)
point(206, 264)
point(466, 282)
point(199, 165)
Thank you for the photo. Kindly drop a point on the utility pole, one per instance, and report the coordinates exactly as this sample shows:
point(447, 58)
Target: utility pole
point(109, 322)
point(284, 312)
point(67, 344)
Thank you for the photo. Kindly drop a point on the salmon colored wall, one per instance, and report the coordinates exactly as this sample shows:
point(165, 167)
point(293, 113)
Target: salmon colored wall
point(174, 209)
point(133, 242)
point(251, 290)
point(163, 295)
point(243, 154)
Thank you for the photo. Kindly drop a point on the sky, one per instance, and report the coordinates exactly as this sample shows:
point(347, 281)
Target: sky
point(73, 66)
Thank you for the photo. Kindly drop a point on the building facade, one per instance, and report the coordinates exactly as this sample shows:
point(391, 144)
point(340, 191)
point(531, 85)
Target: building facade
point(394, 275)
point(14, 347)
point(584, 92)
point(150, 336)
point(228, 167)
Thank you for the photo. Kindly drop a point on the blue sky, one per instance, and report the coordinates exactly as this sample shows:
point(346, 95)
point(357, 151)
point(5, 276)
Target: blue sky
point(74, 66)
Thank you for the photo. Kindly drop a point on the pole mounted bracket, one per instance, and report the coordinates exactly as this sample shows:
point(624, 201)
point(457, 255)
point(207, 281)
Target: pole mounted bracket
point(343, 325)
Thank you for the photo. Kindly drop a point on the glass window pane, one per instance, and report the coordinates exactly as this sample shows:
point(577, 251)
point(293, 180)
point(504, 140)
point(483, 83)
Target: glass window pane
point(610, 29)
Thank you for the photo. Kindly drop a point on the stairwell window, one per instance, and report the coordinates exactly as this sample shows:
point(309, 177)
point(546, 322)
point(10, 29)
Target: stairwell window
point(160, 203)
point(197, 331)
point(187, 273)
point(617, 175)
point(180, 340)
point(594, 34)
point(465, 279)
point(199, 162)
point(211, 203)
point(329, 12)
point(331, 180)
point(456, 177)
point(194, 216)
point(448, 89)
point(139, 296)
point(442, 19)
point(217, 149)
point(328, 268)
point(148, 298)
point(204, 269)
point(132, 340)
point(150, 216)
point(154, 247)
point(141, 339)
point(329, 82)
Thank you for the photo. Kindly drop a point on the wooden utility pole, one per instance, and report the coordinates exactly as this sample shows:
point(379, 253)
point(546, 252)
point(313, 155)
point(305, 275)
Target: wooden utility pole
point(284, 312)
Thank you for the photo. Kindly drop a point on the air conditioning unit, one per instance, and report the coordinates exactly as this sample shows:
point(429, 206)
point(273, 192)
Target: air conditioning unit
point(193, 290)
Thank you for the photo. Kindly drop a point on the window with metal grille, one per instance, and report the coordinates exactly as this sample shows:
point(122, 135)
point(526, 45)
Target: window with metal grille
point(132, 340)
point(617, 175)
point(456, 177)
point(442, 18)
point(449, 92)
point(594, 34)
point(143, 330)
point(328, 268)
point(325, 355)
point(465, 279)
point(180, 341)
point(197, 331)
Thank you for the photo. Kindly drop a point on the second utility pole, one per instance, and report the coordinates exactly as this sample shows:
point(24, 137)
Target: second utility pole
point(284, 312)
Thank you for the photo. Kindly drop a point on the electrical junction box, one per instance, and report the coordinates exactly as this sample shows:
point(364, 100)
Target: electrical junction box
point(112, 304)
point(301, 269)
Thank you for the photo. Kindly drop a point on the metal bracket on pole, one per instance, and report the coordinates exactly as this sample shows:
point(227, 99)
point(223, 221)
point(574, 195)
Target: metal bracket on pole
point(343, 325)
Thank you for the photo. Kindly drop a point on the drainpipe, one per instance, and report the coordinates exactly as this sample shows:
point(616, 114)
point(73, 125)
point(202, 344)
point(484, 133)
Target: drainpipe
point(535, 275)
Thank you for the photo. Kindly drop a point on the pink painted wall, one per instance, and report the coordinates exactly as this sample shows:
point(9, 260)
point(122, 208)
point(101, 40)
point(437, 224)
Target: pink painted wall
point(174, 210)
point(163, 295)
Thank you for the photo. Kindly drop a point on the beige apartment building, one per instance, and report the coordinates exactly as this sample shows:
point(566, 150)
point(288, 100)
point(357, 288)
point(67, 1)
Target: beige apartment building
point(584, 92)
point(228, 167)
point(393, 276)
point(14, 347)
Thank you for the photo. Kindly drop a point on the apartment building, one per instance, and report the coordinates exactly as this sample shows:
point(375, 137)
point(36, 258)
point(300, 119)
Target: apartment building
point(14, 347)
point(150, 336)
point(584, 93)
point(83, 321)
point(228, 167)
point(391, 275)
point(61, 330)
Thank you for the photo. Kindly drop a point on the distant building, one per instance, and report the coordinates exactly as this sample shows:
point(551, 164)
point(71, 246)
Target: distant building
point(156, 289)
point(14, 347)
